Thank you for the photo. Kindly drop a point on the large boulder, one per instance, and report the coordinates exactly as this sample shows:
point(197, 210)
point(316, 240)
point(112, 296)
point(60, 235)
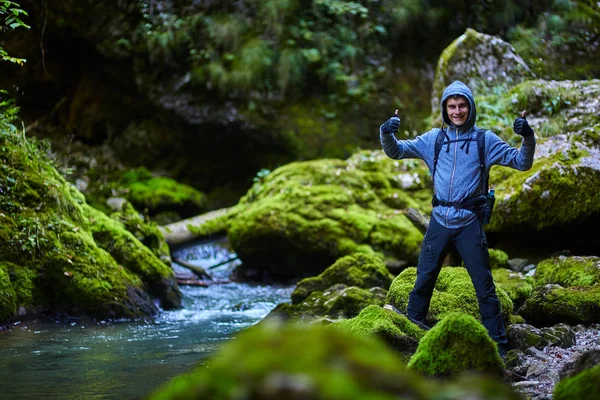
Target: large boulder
point(454, 291)
point(60, 255)
point(303, 216)
point(459, 343)
point(563, 185)
point(487, 64)
point(337, 302)
point(552, 304)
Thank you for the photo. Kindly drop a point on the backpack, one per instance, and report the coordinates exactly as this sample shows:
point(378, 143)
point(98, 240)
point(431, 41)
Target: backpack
point(481, 204)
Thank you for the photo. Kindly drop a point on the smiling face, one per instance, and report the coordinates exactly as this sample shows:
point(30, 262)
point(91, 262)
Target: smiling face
point(457, 108)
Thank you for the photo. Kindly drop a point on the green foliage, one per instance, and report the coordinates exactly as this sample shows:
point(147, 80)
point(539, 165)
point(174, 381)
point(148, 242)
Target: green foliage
point(565, 42)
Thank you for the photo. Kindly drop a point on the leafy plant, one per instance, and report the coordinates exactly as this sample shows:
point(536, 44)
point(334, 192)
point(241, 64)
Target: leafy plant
point(10, 11)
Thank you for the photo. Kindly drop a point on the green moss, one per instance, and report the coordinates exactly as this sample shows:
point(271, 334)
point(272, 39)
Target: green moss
point(498, 259)
point(393, 328)
point(584, 385)
point(517, 286)
point(453, 292)
point(23, 283)
point(541, 202)
point(553, 304)
point(458, 343)
point(146, 232)
point(53, 259)
point(159, 194)
point(568, 271)
point(274, 361)
point(360, 270)
point(125, 249)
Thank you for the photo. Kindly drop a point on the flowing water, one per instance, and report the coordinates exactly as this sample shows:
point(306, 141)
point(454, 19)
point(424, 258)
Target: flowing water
point(82, 359)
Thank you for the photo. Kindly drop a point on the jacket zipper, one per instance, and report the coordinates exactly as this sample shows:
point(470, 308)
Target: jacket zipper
point(452, 177)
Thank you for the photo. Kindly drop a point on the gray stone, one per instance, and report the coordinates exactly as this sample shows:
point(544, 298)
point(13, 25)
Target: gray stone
point(485, 63)
point(116, 203)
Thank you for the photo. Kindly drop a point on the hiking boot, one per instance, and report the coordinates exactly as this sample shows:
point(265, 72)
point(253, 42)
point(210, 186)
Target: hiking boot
point(414, 321)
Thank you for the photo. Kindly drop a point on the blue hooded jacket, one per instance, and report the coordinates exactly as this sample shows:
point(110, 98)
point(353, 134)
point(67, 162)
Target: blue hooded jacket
point(457, 175)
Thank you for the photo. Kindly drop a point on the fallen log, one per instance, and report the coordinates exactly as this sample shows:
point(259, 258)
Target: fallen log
point(198, 271)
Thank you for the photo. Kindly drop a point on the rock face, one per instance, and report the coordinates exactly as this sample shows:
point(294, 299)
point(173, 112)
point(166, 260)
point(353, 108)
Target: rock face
point(58, 254)
point(486, 64)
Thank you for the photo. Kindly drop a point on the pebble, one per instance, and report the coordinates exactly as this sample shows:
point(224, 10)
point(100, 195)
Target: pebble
point(554, 358)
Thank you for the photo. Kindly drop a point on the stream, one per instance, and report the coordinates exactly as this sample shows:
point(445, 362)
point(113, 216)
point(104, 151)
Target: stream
point(84, 359)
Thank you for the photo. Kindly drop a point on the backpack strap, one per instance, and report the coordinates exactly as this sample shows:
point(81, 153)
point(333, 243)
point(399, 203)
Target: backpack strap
point(482, 168)
point(439, 140)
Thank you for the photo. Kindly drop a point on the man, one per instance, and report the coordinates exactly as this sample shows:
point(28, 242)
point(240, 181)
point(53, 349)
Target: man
point(460, 189)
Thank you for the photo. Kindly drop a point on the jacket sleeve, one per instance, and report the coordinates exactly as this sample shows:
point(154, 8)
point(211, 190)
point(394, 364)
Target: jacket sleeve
point(500, 153)
point(399, 149)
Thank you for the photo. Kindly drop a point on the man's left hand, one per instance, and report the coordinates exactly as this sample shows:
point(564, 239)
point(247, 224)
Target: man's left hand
point(521, 127)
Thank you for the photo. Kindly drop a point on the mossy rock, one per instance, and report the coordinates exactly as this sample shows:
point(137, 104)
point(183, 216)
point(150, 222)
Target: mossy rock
point(516, 285)
point(487, 64)
point(562, 186)
point(453, 291)
point(272, 361)
point(393, 328)
point(303, 216)
point(585, 385)
point(63, 256)
point(457, 344)
point(553, 304)
point(146, 232)
point(160, 194)
point(568, 271)
point(337, 302)
point(498, 259)
point(358, 269)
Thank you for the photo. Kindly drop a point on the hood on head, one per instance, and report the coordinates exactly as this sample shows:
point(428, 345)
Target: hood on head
point(457, 88)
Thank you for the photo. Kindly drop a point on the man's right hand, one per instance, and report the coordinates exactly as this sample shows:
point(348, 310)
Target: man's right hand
point(392, 125)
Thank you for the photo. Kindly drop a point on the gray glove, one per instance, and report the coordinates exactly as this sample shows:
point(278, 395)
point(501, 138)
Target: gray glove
point(392, 125)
